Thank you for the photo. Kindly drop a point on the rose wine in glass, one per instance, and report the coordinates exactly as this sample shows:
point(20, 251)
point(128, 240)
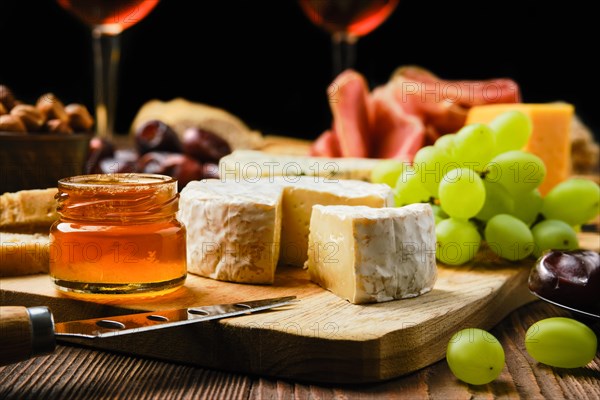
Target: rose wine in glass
point(107, 19)
point(346, 21)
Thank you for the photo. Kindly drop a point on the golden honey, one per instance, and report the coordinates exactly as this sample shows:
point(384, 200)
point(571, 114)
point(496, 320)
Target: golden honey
point(118, 235)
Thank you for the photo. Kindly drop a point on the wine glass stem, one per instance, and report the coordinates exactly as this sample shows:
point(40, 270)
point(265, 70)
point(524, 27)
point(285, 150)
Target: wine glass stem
point(344, 51)
point(107, 52)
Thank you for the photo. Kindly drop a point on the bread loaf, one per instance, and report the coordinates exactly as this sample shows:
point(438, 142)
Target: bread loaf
point(23, 254)
point(25, 220)
point(28, 211)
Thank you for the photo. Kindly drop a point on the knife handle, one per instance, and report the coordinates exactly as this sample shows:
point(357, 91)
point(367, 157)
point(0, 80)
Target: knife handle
point(25, 333)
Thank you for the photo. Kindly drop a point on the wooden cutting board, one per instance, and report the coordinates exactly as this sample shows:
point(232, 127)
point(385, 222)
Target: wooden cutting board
point(321, 338)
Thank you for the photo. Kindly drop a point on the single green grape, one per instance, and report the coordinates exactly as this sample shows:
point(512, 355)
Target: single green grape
point(475, 356)
point(446, 143)
point(432, 164)
point(553, 234)
point(461, 193)
point(518, 171)
point(474, 146)
point(509, 237)
point(457, 241)
point(512, 130)
point(387, 171)
point(575, 201)
point(497, 201)
point(409, 189)
point(527, 206)
point(561, 342)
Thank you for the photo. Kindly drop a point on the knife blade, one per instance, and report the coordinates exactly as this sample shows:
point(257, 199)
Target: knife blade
point(29, 332)
point(133, 323)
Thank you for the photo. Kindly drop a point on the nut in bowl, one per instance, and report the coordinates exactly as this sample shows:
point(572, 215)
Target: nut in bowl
point(41, 143)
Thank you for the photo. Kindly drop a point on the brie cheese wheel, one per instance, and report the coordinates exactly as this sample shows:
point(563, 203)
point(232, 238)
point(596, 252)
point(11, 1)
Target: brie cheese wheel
point(249, 165)
point(367, 255)
point(302, 193)
point(233, 229)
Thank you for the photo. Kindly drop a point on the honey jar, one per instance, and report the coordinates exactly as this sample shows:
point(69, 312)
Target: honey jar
point(117, 234)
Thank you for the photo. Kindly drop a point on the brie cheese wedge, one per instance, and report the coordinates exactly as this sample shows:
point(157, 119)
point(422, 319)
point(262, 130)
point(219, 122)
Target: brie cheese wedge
point(367, 255)
point(233, 230)
point(302, 193)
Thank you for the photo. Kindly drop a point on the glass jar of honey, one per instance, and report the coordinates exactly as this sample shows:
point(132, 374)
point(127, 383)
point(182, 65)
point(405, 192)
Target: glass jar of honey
point(118, 235)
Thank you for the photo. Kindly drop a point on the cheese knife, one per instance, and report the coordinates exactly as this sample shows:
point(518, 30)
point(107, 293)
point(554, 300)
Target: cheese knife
point(29, 332)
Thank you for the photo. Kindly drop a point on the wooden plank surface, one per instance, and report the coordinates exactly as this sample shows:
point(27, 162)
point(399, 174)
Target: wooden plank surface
point(76, 372)
point(322, 338)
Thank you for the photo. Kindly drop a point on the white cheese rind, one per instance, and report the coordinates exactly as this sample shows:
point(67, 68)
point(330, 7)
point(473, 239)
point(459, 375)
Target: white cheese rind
point(246, 165)
point(233, 230)
point(367, 255)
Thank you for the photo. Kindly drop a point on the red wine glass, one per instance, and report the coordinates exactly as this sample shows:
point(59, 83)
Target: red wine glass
point(107, 19)
point(346, 21)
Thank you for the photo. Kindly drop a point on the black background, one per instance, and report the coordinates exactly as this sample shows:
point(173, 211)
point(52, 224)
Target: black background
point(265, 62)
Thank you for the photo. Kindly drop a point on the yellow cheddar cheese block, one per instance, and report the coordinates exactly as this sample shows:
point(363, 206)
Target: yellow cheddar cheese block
point(550, 138)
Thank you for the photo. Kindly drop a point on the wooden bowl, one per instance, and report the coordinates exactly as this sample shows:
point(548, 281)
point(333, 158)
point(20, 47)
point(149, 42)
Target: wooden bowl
point(38, 161)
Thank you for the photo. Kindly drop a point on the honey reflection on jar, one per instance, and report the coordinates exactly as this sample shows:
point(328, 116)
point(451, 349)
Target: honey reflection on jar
point(118, 235)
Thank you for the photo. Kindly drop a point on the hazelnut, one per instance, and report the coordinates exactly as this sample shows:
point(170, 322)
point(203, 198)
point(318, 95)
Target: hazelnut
point(79, 117)
point(3, 109)
point(11, 123)
point(7, 99)
point(52, 108)
point(30, 116)
point(58, 126)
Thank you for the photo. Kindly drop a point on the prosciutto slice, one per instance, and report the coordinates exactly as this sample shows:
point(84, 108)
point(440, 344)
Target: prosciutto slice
point(462, 92)
point(327, 145)
point(349, 100)
point(394, 133)
point(396, 119)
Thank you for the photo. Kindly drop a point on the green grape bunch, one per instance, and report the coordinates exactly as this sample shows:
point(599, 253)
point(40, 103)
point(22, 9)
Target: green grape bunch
point(485, 187)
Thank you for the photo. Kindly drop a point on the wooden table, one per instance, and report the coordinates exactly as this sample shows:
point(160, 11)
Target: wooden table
point(75, 372)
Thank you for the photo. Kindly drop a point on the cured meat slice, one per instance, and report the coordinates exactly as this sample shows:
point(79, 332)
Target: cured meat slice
point(464, 92)
point(326, 145)
point(394, 132)
point(350, 108)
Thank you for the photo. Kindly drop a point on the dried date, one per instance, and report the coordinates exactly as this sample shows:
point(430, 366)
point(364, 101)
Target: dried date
point(157, 136)
point(204, 146)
